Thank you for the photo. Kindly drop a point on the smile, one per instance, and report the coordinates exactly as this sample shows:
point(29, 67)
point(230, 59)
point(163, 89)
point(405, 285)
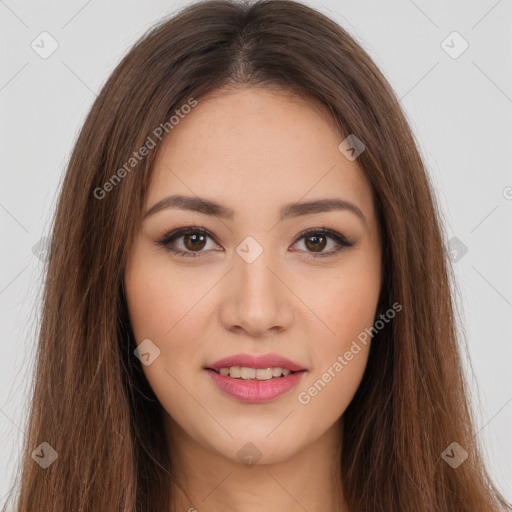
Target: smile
point(255, 378)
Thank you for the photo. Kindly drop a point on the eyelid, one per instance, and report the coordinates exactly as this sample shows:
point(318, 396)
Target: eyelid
point(323, 231)
point(173, 234)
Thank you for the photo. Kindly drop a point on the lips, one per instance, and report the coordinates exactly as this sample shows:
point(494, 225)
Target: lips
point(254, 390)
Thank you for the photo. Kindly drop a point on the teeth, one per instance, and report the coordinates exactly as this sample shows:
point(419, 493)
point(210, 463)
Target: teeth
point(247, 373)
point(242, 372)
point(264, 374)
point(235, 372)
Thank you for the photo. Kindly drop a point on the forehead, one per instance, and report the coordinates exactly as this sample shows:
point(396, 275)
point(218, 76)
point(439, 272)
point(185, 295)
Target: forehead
point(253, 148)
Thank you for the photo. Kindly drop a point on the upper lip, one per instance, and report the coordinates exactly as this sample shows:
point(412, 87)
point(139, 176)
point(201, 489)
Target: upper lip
point(259, 361)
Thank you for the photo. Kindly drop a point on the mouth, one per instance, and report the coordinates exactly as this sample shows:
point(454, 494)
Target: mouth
point(255, 379)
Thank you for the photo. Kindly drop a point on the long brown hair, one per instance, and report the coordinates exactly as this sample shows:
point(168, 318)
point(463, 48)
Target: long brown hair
point(91, 402)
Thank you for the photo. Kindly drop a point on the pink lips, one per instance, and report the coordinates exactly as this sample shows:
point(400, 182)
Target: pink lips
point(256, 391)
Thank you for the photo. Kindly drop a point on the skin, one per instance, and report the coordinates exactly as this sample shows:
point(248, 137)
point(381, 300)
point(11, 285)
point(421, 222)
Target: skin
point(254, 150)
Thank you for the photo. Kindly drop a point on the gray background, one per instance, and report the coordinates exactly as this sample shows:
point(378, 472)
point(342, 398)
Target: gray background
point(460, 110)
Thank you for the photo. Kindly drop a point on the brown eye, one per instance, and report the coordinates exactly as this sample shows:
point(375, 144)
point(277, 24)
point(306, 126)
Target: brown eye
point(317, 240)
point(194, 241)
point(188, 241)
point(316, 243)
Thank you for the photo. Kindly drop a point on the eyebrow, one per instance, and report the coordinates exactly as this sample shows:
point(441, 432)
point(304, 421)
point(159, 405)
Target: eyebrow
point(209, 207)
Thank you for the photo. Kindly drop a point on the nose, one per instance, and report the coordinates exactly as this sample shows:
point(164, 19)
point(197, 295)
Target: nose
point(257, 299)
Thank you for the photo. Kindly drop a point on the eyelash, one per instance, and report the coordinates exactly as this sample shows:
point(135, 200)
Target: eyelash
point(171, 236)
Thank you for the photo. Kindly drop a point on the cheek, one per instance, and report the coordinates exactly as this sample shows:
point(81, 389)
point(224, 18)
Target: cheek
point(339, 359)
point(347, 307)
point(159, 310)
point(158, 298)
point(162, 312)
point(328, 392)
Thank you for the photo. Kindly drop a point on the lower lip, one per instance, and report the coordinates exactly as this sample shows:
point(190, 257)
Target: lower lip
point(255, 391)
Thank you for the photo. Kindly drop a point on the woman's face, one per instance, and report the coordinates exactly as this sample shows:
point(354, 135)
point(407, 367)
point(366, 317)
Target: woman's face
point(252, 276)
